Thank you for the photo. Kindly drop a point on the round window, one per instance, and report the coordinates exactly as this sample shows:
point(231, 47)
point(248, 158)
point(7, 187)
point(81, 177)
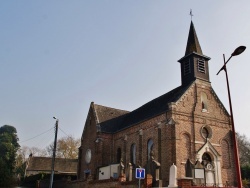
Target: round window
point(206, 132)
point(88, 156)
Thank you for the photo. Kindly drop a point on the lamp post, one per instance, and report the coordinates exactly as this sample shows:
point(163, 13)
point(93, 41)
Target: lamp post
point(236, 52)
point(54, 155)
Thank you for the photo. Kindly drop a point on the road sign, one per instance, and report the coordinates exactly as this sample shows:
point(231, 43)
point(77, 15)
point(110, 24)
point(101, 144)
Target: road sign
point(140, 173)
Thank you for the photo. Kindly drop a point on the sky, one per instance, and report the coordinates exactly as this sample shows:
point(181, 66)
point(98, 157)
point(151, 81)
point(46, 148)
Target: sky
point(56, 57)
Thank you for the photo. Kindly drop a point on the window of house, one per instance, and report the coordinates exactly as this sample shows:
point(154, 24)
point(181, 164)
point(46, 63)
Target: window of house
point(201, 66)
point(187, 67)
point(118, 155)
point(206, 132)
point(203, 102)
point(206, 159)
point(133, 154)
point(150, 147)
point(186, 141)
point(225, 154)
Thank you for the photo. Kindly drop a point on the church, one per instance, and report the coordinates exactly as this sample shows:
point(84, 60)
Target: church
point(188, 127)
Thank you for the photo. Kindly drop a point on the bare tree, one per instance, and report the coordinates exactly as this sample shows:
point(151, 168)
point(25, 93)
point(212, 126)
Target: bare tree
point(24, 152)
point(67, 147)
point(35, 151)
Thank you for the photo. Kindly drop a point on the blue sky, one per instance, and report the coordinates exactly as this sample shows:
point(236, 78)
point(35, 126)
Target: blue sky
point(57, 57)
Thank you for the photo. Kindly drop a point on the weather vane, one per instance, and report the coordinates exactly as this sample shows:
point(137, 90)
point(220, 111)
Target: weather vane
point(191, 14)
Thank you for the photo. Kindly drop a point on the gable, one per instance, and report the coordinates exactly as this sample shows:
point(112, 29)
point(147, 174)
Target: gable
point(91, 122)
point(208, 147)
point(201, 99)
point(219, 102)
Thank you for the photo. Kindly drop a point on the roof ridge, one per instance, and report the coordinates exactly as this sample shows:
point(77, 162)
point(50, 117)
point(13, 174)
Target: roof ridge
point(171, 91)
point(155, 99)
point(109, 107)
point(41, 157)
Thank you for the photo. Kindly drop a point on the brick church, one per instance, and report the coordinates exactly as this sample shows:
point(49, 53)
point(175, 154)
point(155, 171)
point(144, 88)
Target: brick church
point(188, 127)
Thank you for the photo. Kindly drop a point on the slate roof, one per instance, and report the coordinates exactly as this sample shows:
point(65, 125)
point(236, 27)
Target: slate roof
point(193, 44)
point(148, 110)
point(105, 113)
point(44, 164)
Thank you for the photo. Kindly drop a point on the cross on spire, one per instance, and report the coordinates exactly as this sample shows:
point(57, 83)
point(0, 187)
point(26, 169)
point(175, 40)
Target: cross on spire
point(191, 14)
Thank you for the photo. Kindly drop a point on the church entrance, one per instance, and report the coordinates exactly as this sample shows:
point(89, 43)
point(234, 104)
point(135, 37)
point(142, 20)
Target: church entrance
point(208, 164)
point(209, 169)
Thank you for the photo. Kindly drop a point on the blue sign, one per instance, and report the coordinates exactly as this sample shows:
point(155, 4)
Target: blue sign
point(140, 173)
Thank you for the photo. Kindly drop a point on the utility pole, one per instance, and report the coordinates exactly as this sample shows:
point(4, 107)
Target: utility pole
point(54, 154)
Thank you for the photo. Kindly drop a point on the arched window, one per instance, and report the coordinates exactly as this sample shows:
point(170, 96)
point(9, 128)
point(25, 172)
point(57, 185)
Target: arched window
point(150, 147)
point(187, 145)
point(118, 155)
point(225, 154)
point(133, 154)
point(203, 102)
point(208, 164)
point(206, 159)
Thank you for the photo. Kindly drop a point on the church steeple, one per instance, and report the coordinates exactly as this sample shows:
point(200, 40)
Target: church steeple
point(194, 65)
point(193, 44)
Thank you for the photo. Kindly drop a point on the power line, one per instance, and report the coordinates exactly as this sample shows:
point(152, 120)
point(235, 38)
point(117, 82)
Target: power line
point(63, 132)
point(36, 136)
point(44, 140)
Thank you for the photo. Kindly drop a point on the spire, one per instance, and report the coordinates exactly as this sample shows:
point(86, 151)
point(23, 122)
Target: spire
point(194, 65)
point(193, 44)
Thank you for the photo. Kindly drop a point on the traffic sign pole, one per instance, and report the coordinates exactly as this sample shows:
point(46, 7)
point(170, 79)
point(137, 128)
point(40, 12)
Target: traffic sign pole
point(140, 174)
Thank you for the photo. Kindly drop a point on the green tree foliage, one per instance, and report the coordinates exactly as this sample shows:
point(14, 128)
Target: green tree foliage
point(20, 164)
point(8, 149)
point(244, 149)
point(245, 172)
point(244, 156)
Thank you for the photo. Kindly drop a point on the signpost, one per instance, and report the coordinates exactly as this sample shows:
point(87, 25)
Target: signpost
point(140, 174)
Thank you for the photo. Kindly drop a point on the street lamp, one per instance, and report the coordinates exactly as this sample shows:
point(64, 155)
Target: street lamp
point(236, 52)
point(54, 154)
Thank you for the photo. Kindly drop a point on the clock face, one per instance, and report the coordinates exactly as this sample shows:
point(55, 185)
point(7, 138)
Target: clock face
point(88, 156)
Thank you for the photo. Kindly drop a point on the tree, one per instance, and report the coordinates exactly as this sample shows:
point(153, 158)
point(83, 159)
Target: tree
point(35, 151)
point(25, 151)
point(67, 147)
point(22, 156)
point(245, 172)
point(20, 165)
point(8, 150)
point(244, 156)
point(244, 149)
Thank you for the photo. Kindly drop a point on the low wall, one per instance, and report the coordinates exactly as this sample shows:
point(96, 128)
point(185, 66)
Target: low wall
point(110, 183)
